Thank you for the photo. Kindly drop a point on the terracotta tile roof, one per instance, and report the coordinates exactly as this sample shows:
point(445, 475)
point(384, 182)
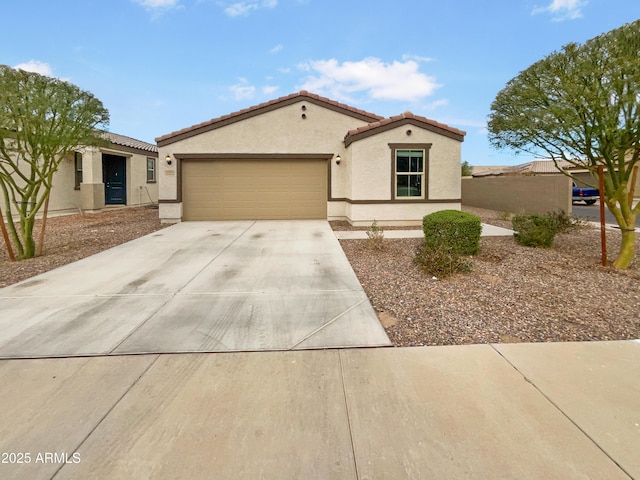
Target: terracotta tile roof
point(266, 106)
point(402, 119)
point(542, 166)
point(538, 167)
point(130, 142)
point(489, 171)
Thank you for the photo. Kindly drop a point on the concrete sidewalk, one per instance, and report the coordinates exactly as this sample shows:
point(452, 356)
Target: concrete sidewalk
point(487, 231)
point(525, 411)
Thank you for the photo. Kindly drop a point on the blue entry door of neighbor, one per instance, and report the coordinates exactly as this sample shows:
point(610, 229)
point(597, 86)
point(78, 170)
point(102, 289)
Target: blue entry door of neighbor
point(114, 170)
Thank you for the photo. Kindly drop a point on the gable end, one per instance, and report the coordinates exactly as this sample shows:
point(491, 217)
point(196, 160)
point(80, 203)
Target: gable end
point(246, 113)
point(400, 120)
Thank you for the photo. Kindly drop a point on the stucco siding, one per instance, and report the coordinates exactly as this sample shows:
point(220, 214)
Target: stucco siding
point(394, 214)
point(139, 192)
point(372, 164)
point(65, 197)
point(170, 212)
point(337, 210)
point(278, 131)
point(537, 194)
point(63, 194)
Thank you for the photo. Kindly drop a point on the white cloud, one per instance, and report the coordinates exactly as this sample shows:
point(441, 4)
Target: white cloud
point(240, 8)
point(417, 58)
point(276, 49)
point(269, 89)
point(158, 8)
point(243, 90)
point(381, 81)
point(479, 126)
point(443, 102)
point(36, 66)
point(562, 9)
point(244, 8)
point(158, 3)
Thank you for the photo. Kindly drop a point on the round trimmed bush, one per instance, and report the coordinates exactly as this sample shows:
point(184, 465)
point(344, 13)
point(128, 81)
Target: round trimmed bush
point(458, 231)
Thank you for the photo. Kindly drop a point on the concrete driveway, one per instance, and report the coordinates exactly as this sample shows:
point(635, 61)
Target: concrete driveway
point(196, 287)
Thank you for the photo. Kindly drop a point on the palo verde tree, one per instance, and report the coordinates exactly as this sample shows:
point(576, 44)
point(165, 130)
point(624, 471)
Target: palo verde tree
point(42, 121)
point(581, 105)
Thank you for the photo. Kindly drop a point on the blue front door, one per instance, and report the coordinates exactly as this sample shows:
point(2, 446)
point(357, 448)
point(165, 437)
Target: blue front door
point(114, 170)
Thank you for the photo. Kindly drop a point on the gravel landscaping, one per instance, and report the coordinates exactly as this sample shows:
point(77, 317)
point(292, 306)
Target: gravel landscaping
point(513, 294)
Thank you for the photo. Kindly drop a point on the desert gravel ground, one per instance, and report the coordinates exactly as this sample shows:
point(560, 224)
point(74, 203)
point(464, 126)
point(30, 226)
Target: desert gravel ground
point(513, 294)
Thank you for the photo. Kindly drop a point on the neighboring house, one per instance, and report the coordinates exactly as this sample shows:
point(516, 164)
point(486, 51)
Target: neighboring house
point(536, 167)
point(542, 167)
point(303, 156)
point(122, 173)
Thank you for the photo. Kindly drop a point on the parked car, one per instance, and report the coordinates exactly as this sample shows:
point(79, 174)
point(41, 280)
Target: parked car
point(587, 194)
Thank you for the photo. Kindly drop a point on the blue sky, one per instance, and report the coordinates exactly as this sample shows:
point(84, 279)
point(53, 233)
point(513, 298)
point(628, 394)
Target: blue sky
point(162, 65)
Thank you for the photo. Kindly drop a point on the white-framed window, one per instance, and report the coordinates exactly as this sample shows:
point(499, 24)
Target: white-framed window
point(151, 170)
point(409, 173)
point(77, 167)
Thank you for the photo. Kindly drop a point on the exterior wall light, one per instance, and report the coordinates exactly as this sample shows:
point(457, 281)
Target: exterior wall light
point(168, 159)
point(338, 159)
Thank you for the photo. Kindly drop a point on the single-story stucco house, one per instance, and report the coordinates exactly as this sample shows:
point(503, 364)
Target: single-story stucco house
point(124, 172)
point(304, 156)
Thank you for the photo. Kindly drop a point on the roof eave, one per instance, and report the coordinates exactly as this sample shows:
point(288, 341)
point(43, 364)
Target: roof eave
point(454, 134)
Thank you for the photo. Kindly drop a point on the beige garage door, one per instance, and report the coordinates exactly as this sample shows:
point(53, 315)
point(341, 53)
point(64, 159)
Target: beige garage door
point(254, 189)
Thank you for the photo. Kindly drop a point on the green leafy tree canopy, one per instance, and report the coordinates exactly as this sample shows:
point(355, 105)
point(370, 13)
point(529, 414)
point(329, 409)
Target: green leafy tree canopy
point(466, 169)
point(42, 120)
point(581, 105)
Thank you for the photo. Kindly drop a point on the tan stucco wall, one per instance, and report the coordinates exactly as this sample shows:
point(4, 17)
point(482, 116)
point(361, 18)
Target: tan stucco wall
point(278, 131)
point(63, 195)
point(139, 192)
point(92, 186)
point(519, 194)
point(371, 164)
point(90, 197)
point(393, 214)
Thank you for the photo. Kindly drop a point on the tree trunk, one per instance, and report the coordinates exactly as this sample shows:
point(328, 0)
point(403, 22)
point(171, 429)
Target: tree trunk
point(5, 235)
point(28, 243)
point(627, 249)
point(44, 225)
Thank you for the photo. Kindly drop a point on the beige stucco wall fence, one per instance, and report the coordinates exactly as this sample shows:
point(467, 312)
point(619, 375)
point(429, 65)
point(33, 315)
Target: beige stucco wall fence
point(518, 194)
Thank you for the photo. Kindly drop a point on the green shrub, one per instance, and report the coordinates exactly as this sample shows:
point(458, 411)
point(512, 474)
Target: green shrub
point(534, 230)
point(564, 223)
point(375, 236)
point(440, 261)
point(505, 216)
point(458, 231)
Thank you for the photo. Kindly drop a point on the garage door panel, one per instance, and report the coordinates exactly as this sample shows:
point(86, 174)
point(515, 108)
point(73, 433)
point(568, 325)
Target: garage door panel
point(254, 189)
